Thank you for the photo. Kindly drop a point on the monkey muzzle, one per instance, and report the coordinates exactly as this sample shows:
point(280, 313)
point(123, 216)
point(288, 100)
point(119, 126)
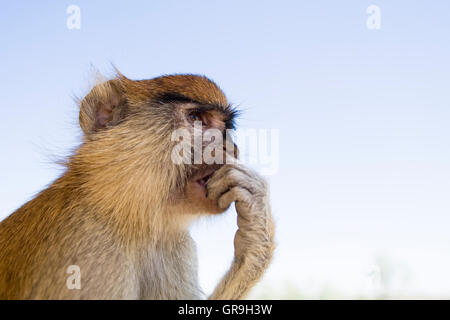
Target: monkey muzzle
point(203, 174)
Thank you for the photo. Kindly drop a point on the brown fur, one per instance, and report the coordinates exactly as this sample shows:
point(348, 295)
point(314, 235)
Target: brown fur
point(121, 210)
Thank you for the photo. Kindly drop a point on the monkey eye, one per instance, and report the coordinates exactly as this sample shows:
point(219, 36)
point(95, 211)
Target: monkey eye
point(195, 116)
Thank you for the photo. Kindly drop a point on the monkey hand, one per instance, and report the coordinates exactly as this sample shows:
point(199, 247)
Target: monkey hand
point(254, 239)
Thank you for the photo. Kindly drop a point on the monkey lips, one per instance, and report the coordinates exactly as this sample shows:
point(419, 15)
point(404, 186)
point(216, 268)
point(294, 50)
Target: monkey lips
point(200, 178)
point(204, 181)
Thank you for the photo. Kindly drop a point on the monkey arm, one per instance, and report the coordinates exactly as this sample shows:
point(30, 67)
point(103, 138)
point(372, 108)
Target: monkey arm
point(254, 239)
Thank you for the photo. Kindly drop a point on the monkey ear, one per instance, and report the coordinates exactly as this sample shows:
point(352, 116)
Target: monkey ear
point(103, 106)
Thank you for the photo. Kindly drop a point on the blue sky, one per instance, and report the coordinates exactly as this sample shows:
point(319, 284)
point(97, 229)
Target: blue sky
point(363, 118)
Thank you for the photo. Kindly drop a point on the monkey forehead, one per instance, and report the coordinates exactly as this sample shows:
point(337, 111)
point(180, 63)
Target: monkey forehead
point(186, 87)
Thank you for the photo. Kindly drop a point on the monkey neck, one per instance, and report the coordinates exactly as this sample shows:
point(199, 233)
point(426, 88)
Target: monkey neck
point(129, 196)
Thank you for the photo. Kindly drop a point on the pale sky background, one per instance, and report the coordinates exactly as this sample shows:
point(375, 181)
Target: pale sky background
point(364, 177)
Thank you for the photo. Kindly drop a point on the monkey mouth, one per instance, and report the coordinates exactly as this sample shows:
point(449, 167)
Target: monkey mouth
point(202, 176)
point(204, 180)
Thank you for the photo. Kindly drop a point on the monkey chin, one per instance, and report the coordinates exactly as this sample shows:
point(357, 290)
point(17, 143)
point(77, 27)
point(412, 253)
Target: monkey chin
point(193, 199)
point(198, 202)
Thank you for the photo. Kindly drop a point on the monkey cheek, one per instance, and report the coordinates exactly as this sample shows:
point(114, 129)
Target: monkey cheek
point(196, 191)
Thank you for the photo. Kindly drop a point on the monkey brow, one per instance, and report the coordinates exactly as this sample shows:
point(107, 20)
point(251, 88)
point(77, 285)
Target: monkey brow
point(230, 113)
point(174, 97)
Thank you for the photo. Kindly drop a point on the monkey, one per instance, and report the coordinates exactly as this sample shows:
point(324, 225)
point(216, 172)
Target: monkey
point(122, 208)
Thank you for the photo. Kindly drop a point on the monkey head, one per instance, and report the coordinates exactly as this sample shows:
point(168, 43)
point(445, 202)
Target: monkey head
point(128, 149)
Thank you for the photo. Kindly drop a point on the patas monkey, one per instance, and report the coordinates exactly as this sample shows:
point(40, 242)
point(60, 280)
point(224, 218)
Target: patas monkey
point(120, 213)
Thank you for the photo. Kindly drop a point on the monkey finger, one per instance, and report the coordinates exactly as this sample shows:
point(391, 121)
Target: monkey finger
point(234, 194)
point(233, 178)
point(251, 179)
point(220, 173)
point(224, 170)
point(230, 163)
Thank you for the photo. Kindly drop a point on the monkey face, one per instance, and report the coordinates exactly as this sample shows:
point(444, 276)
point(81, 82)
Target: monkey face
point(209, 146)
point(130, 126)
